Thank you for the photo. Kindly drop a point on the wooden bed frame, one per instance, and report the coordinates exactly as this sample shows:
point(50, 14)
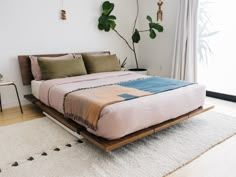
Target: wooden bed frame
point(104, 144)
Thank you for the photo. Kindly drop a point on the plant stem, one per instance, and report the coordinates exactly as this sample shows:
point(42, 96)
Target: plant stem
point(132, 48)
point(135, 55)
point(135, 22)
point(136, 18)
point(124, 39)
point(144, 31)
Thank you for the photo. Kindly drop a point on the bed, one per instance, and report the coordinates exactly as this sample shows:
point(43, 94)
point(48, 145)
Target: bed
point(121, 122)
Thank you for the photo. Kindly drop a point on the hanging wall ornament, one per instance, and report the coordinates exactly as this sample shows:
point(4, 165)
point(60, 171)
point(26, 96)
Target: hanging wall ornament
point(62, 12)
point(159, 12)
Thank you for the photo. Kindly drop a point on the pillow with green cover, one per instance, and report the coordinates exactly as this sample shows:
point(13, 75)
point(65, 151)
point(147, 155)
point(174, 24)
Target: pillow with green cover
point(52, 69)
point(101, 63)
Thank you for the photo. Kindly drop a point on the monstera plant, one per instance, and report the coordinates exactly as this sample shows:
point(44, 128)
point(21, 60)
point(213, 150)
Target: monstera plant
point(107, 22)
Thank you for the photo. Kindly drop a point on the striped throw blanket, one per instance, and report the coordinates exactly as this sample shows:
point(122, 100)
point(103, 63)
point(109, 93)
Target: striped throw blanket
point(86, 104)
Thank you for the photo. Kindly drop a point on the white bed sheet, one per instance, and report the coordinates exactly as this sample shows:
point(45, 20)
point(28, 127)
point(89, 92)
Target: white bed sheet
point(35, 85)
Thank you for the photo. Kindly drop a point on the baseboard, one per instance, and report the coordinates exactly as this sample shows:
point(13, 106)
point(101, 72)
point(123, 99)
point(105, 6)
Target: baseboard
point(221, 96)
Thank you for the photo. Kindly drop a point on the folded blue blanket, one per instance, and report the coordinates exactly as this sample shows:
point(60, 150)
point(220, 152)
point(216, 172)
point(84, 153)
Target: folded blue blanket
point(154, 85)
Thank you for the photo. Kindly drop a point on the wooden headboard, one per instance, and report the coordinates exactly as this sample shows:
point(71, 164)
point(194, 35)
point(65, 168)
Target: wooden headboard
point(25, 65)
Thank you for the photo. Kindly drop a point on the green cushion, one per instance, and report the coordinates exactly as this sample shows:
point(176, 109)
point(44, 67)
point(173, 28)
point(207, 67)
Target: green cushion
point(52, 69)
point(101, 63)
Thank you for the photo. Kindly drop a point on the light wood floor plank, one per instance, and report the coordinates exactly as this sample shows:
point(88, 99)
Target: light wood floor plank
point(13, 115)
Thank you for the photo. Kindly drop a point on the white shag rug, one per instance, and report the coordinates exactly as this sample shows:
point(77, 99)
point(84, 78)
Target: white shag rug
point(53, 152)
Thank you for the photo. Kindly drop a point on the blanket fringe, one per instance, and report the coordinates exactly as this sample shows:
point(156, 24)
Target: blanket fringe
point(80, 119)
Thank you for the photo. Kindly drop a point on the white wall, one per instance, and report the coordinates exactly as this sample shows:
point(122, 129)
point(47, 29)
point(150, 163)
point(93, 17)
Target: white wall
point(156, 55)
point(34, 27)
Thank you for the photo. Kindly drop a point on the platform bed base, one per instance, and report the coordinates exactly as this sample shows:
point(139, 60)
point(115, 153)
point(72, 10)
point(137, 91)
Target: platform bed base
point(109, 145)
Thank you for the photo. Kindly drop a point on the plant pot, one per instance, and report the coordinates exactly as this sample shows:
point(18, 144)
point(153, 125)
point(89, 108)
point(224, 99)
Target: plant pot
point(139, 70)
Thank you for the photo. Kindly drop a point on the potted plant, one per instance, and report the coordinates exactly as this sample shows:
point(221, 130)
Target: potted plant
point(107, 22)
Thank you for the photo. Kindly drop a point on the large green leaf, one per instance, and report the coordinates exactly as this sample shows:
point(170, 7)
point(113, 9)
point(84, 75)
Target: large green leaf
point(106, 21)
point(156, 26)
point(136, 36)
point(152, 34)
point(149, 19)
point(102, 19)
point(107, 8)
point(100, 26)
point(111, 17)
point(112, 24)
point(107, 27)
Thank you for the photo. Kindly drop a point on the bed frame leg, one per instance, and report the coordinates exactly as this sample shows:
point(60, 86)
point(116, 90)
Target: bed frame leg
point(76, 134)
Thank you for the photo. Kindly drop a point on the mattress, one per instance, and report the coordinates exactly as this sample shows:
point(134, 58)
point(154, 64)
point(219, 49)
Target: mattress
point(122, 118)
point(35, 85)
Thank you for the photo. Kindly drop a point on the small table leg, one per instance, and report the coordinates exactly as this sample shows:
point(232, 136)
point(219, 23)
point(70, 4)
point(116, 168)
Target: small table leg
point(0, 102)
point(18, 98)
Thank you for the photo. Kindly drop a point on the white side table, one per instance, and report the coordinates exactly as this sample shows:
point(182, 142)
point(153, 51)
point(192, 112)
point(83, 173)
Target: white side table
point(7, 83)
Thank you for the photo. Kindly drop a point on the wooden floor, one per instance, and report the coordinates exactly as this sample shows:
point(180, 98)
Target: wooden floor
point(218, 162)
point(13, 115)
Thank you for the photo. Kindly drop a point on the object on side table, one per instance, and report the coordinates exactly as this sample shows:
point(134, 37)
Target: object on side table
point(7, 83)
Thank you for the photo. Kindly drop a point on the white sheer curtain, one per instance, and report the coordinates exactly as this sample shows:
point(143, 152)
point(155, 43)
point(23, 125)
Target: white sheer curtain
point(184, 66)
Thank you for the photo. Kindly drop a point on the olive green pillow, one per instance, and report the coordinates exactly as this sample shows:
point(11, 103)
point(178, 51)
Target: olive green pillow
point(101, 63)
point(52, 69)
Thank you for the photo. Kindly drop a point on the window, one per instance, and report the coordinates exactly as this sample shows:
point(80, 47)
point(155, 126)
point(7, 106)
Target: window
point(217, 46)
